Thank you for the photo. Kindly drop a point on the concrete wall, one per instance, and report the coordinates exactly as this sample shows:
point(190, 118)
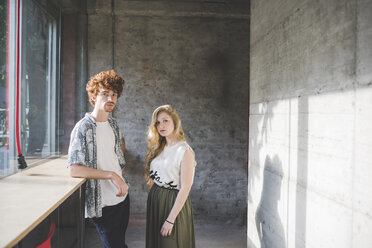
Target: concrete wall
point(68, 102)
point(195, 57)
point(310, 141)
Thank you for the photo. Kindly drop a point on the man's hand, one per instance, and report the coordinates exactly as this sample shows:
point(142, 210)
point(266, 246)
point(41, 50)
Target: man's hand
point(119, 184)
point(77, 170)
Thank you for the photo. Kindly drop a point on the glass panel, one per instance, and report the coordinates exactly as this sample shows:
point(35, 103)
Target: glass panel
point(38, 82)
point(6, 98)
point(4, 126)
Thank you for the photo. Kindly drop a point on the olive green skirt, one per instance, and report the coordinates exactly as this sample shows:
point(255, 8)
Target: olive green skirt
point(159, 204)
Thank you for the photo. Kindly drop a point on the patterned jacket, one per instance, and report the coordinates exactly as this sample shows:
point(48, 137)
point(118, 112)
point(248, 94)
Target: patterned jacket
point(83, 151)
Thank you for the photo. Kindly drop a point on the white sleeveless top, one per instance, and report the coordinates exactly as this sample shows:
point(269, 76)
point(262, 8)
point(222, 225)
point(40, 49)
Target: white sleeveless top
point(107, 160)
point(165, 168)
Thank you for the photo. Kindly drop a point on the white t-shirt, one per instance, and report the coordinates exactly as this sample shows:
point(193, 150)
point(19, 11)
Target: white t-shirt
point(107, 160)
point(165, 168)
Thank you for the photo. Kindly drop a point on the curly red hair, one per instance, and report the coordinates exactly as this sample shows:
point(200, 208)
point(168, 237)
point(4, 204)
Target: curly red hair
point(107, 79)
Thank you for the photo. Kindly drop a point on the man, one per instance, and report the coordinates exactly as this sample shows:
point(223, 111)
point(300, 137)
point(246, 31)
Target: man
point(96, 153)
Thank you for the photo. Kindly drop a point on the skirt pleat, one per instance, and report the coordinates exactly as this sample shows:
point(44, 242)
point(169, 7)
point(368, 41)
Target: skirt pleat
point(159, 204)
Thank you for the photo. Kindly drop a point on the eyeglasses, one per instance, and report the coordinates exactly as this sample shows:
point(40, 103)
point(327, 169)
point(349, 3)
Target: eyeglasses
point(106, 95)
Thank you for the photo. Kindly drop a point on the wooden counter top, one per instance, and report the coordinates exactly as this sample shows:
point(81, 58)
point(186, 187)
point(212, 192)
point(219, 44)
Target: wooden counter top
point(28, 197)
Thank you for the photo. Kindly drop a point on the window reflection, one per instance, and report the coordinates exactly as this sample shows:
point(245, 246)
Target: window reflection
point(6, 151)
point(39, 63)
point(39, 87)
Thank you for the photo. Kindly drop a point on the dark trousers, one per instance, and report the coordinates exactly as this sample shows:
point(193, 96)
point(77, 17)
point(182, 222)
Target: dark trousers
point(113, 224)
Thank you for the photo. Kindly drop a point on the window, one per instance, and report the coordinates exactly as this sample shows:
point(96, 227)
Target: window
point(7, 56)
point(39, 83)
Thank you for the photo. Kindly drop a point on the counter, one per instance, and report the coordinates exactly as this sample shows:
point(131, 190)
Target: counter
point(28, 197)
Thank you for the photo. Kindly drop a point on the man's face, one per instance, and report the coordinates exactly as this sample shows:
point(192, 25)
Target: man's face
point(105, 100)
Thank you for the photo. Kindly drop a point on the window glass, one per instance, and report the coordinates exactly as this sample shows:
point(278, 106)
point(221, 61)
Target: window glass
point(6, 91)
point(39, 82)
point(39, 89)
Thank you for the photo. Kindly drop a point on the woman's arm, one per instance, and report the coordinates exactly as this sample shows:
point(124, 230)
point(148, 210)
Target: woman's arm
point(187, 177)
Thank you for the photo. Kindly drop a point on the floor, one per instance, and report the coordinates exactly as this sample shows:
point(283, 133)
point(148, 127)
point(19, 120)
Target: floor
point(206, 235)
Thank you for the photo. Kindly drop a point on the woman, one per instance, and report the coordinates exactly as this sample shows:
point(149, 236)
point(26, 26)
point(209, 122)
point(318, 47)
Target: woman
point(170, 165)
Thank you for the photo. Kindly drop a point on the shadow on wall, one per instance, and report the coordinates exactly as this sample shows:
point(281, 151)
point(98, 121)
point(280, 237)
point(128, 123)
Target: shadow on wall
point(221, 66)
point(138, 187)
point(257, 137)
point(269, 226)
point(135, 165)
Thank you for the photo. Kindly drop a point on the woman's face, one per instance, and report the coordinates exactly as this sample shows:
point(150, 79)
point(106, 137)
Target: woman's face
point(164, 124)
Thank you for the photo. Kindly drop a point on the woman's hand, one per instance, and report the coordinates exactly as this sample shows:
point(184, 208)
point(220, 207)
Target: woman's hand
point(166, 229)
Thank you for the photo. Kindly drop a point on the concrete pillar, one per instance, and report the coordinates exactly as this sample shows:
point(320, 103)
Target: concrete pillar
point(310, 141)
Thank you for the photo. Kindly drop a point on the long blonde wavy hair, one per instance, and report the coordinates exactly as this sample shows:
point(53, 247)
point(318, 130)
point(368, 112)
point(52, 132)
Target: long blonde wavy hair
point(156, 142)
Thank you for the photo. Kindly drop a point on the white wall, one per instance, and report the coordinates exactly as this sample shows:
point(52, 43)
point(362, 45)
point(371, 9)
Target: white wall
point(310, 141)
